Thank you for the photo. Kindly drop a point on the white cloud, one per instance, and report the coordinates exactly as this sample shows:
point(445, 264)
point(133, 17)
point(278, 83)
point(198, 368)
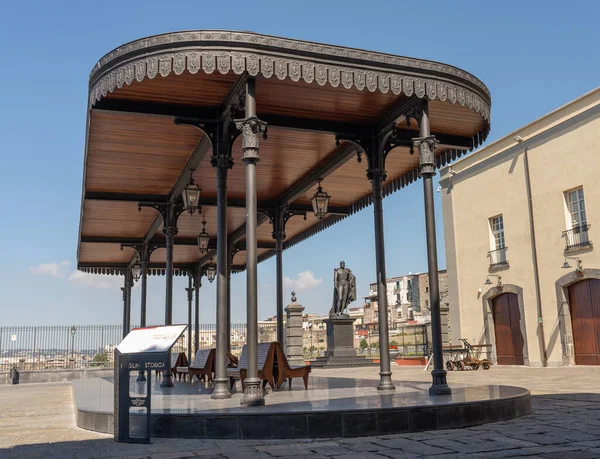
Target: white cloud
point(96, 280)
point(304, 281)
point(51, 269)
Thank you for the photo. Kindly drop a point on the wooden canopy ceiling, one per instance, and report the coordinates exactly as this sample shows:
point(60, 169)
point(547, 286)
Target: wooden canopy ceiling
point(307, 92)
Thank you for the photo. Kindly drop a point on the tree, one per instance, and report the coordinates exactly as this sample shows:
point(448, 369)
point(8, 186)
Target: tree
point(394, 343)
point(100, 359)
point(363, 345)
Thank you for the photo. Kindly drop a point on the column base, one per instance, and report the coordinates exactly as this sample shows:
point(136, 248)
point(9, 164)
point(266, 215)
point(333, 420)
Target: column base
point(385, 381)
point(167, 381)
point(220, 391)
point(440, 385)
point(141, 376)
point(253, 393)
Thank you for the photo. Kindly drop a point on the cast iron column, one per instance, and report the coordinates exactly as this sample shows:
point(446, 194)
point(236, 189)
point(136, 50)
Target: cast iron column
point(144, 268)
point(251, 126)
point(377, 175)
point(197, 285)
point(222, 161)
point(279, 236)
point(170, 231)
point(426, 144)
point(125, 304)
point(229, 263)
point(190, 297)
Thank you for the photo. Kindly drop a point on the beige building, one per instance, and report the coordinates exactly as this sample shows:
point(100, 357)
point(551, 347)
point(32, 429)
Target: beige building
point(519, 220)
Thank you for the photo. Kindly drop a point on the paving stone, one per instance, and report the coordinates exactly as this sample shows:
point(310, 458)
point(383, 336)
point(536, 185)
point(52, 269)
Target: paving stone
point(330, 450)
point(412, 446)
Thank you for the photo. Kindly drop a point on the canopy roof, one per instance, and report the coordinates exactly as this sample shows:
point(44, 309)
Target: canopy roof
point(307, 92)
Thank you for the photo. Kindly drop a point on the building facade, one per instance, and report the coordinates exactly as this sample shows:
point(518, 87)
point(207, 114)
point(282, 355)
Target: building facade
point(519, 218)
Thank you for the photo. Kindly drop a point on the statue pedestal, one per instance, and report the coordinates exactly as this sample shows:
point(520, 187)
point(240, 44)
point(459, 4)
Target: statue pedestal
point(340, 351)
point(340, 336)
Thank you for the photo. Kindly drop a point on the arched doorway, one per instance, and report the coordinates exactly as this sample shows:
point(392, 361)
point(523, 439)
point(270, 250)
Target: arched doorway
point(507, 329)
point(584, 302)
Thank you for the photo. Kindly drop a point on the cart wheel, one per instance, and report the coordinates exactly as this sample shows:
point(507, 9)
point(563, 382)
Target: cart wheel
point(475, 366)
point(461, 365)
point(486, 365)
point(449, 365)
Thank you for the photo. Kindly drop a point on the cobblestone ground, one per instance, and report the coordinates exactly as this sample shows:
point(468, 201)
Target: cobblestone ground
point(36, 421)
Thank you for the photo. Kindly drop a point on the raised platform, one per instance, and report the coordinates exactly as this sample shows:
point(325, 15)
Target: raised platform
point(332, 407)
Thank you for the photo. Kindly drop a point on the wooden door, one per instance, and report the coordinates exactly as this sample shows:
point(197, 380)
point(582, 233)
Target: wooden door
point(584, 301)
point(507, 325)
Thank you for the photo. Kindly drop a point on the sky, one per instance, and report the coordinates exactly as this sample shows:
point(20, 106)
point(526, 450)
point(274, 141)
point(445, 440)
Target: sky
point(533, 56)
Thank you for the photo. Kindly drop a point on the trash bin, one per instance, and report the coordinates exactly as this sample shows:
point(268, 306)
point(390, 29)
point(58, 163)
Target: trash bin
point(14, 375)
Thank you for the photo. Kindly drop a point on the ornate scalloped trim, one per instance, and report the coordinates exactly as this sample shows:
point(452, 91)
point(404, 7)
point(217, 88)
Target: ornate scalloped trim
point(224, 62)
point(197, 37)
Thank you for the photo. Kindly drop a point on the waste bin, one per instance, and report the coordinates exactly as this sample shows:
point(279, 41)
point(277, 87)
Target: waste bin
point(14, 375)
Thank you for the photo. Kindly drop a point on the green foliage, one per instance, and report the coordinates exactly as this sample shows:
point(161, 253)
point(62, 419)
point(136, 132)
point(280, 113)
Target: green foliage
point(394, 343)
point(100, 359)
point(363, 344)
point(375, 345)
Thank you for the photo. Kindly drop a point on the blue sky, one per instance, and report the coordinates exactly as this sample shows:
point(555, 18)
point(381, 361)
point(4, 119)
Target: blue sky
point(532, 58)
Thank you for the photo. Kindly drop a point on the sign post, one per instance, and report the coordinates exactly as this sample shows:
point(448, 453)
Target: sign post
point(143, 349)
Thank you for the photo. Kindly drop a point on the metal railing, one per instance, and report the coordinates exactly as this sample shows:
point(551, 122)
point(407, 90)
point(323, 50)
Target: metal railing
point(577, 237)
point(53, 347)
point(498, 257)
point(409, 340)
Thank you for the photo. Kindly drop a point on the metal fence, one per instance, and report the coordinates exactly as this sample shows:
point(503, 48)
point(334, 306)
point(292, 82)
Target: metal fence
point(409, 340)
point(91, 346)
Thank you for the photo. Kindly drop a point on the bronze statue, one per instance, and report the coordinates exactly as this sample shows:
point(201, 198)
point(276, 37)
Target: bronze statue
point(344, 289)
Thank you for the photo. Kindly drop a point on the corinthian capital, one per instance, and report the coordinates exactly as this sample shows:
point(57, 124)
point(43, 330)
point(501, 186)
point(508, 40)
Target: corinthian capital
point(426, 146)
point(250, 128)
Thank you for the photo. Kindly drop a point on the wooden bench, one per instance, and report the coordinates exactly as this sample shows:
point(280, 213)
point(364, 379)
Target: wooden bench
point(203, 365)
point(285, 371)
point(266, 364)
point(177, 360)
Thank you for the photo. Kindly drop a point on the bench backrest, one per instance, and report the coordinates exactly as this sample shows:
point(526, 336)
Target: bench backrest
point(264, 349)
point(174, 358)
point(282, 361)
point(201, 358)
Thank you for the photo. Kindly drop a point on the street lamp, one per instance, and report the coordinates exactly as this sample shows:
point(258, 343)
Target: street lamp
point(203, 238)
point(578, 270)
point(211, 271)
point(191, 195)
point(136, 272)
point(73, 331)
point(320, 202)
point(489, 282)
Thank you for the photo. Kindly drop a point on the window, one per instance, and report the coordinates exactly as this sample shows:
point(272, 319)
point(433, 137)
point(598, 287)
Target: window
point(497, 251)
point(576, 234)
point(497, 226)
point(576, 207)
point(426, 289)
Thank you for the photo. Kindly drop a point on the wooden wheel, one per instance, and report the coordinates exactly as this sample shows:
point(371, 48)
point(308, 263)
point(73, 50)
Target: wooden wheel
point(449, 365)
point(461, 365)
point(475, 366)
point(486, 365)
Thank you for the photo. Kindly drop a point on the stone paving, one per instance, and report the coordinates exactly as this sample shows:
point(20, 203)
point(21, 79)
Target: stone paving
point(36, 421)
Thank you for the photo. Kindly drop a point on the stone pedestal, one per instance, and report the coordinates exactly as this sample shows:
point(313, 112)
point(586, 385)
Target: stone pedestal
point(340, 336)
point(293, 338)
point(340, 351)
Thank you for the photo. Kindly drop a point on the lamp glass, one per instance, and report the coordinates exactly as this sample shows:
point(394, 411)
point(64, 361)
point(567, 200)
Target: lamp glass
point(320, 203)
point(203, 239)
point(191, 196)
point(136, 271)
point(211, 272)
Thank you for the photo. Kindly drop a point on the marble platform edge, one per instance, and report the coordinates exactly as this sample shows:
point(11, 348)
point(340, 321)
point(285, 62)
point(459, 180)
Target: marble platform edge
point(348, 423)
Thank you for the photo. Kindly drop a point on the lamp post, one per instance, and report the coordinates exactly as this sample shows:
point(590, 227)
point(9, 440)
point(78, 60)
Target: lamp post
point(73, 331)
